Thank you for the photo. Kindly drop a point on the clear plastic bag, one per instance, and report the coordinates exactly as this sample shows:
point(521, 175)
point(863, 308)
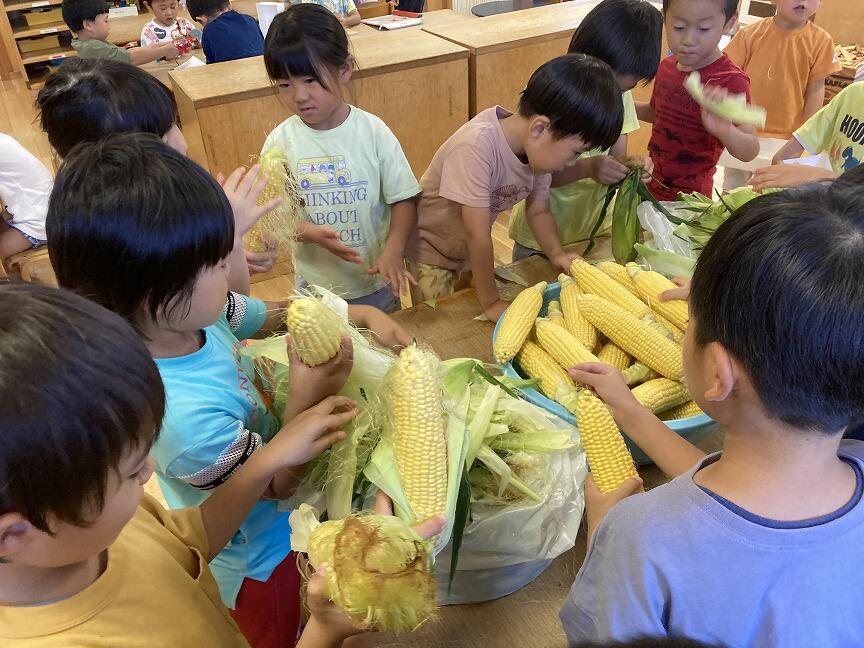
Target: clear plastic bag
point(662, 231)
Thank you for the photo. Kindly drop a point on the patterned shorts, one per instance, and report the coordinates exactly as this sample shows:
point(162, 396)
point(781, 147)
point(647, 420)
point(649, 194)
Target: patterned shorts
point(434, 281)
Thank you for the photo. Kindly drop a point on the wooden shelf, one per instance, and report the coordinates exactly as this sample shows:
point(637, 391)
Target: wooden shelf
point(58, 27)
point(18, 5)
point(48, 55)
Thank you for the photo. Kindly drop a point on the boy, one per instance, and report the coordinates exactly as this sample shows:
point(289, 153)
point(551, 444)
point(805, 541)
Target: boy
point(757, 545)
point(89, 20)
point(626, 35)
point(836, 130)
point(167, 26)
point(228, 35)
point(570, 105)
point(25, 184)
point(85, 557)
point(686, 141)
point(787, 58)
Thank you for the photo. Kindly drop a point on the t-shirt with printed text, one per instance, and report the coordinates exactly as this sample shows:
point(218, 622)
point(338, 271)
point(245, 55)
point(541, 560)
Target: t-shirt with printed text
point(838, 129)
point(684, 154)
point(477, 168)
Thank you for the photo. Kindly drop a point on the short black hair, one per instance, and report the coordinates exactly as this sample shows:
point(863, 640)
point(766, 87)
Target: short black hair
point(206, 8)
point(132, 222)
point(86, 100)
point(75, 12)
point(579, 95)
point(779, 285)
point(730, 7)
point(625, 34)
point(854, 176)
point(80, 390)
point(305, 40)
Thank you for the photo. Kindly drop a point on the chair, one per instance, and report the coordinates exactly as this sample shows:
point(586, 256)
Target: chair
point(33, 266)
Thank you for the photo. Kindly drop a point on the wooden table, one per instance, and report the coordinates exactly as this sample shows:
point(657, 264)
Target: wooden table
point(527, 618)
point(417, 83)
point(505, 49)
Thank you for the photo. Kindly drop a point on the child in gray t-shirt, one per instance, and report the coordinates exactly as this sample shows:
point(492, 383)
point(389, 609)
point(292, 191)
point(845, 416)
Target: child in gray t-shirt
point(761, 544)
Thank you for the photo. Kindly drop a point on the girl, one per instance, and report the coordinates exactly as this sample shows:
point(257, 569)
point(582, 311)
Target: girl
point(350, 168)
point(153, 247)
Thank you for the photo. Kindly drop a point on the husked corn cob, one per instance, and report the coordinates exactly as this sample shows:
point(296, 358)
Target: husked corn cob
point(661, 394)
point(554, 383)
point(619, 274)
point(633, 335)
point(419, 439)
point(254, 240)
point(554, 313)
point(596, 282)
point(608, 457)
point(280, 224)
point(316, 331)
point(517, 322)
point(685, 410)
point(638, 372)
point(649, 285)
point(612, 354)
point(561, 344)
point(575, 323)
point(668, 329)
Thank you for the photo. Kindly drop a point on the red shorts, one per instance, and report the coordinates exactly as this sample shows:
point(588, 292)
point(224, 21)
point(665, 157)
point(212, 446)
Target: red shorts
point(268, 612)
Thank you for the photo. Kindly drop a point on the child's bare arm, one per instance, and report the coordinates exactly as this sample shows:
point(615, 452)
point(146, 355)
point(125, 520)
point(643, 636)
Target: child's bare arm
point(482, 256)
point(545, 230)
point(391, 264)
point(597, 504)
point(350, 19)
point(150, 53)
point(645, 112)
point(672, 454)
point(741, 141)
point(791, 150)
point(814, 98)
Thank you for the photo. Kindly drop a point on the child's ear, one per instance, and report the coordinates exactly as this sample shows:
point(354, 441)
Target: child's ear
point(730, 24)
point(86, 25)
point(15, 533)
point(347, 70)
point(537, 125)
point(722, 373)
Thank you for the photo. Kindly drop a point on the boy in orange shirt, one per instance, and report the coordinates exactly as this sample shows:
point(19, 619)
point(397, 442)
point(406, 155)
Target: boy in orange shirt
point(787, 58)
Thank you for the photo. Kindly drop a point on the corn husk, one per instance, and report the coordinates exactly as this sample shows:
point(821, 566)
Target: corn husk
point(280, 226)
point(733, 108)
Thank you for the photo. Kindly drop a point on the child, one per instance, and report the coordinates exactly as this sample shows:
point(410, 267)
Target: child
point(25, 184)
point(89, 20)
point(168, 26)
point(837, 130)
point(757, 545)
point(626, 35)
point(352, 173)
point(686, 141)
point(228, 35)
point(86, 557)
point(570, 105)
point(787, 58)
point(153, 248)
point(344, 10)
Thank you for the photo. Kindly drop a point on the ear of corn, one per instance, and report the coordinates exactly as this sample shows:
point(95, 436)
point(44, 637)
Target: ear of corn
point(575, 323)
point(517, 322)
point(638, 372)
point(613, 355)
point(316, 331)
point(419, 441)
point(619, 274)
point(649, 285)
point(554, 313)
point(685, 410)
point(625, 222)
point(633, 335)
point(661, 394)
point(562, 345)
point(596, 282)
point(554, 382)
point(608, 457)
point(667, 329)
point(280, 225)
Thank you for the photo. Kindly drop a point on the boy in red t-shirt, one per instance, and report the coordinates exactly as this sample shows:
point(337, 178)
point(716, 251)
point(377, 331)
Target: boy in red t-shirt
point(686, 141)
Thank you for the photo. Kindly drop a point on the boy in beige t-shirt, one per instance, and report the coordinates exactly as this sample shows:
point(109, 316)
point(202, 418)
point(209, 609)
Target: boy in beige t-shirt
point(571, 104)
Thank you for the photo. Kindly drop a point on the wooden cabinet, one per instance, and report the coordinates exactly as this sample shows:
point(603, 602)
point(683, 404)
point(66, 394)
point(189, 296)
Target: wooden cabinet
point(33, 37)
point(843, 19)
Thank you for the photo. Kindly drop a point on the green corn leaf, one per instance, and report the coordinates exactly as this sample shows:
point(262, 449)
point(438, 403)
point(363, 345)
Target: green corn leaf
point(460, 522)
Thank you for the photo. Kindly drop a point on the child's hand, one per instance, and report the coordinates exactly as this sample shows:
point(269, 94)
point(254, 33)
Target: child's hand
point(243, 187)
point(714, 123)
point(787, 175)
point(496, 309)
point(391, 267)
point(563, 260)
point(260, 262)
point(383, 327)
point(682, 292)
point(598, 504)
point(312, 431)
point(606, 170)
point(608, 384)
point(328, 239)
point(647, 165)
point(307, 386)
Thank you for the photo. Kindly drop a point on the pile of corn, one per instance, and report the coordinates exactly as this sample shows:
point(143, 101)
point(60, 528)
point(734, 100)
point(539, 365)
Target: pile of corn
point(606, 313)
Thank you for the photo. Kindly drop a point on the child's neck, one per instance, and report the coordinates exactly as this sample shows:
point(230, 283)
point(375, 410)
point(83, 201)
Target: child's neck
point(515, 129)
point(22, 585)
point(164, 343)
point(788, 25)
point(82, 36)
point(778, 472)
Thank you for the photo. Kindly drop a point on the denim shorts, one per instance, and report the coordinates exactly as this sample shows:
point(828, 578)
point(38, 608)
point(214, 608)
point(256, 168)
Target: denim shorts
point(33, 241)
point(382, 298)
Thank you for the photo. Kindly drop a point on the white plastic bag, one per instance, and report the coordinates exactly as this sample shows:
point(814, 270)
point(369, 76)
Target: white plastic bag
point(653, 221)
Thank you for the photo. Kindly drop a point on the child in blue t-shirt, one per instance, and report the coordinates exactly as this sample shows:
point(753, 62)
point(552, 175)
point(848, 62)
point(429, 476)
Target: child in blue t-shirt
point(153, 247)
point(227, 34)
point(756, 545)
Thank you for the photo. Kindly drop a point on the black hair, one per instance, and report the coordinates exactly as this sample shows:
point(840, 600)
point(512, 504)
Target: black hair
point(855, 176)
point(625, 34)
point(80, 391)
point(730, 7)
point(89, 99)
point(75, 12)
point(132, 222)
point(206, 8)
point(305, 40)
point(779, 287)
point(651, 642)
point(579, 96)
